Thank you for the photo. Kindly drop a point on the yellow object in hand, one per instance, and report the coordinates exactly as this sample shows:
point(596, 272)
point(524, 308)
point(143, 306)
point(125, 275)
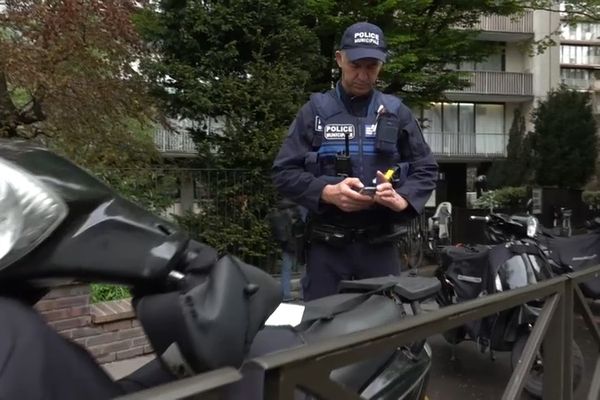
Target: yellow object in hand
point(389, 174)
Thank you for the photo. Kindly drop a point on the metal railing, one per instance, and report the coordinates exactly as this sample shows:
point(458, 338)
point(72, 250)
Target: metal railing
point(514, 24)
point(175, 139)
point(309, 367)
point(452, 144)
point(498, 83)
point(168, 141)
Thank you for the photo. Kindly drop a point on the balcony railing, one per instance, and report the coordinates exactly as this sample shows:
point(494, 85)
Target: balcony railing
point(176, 143)
point(498, 83)
point(515, 24)
point(479, 145)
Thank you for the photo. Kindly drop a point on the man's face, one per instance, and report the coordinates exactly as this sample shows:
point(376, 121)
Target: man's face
point(358, 77)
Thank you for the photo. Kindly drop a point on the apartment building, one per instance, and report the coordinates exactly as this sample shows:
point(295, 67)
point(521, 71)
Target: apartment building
point(580, 59)
point(468, 130)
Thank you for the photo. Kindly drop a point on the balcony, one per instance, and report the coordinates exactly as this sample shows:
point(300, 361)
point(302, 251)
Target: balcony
point(496, 86)
point(506, 29)
point(467, 146)
point(174, 143)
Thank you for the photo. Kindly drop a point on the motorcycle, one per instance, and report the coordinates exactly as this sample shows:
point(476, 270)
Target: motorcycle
point(514, 260)
point(59, 224)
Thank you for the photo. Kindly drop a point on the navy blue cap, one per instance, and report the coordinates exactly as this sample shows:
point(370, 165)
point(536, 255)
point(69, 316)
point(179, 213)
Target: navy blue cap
point(363, 40)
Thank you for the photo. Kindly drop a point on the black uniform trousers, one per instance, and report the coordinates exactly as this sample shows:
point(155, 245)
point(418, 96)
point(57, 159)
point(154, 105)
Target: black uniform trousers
point(328, 264)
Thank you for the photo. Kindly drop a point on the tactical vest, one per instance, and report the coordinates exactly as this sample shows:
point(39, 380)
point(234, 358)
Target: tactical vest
point(332, 121)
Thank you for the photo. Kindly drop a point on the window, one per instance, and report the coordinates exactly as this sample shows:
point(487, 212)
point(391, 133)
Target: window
point(463, 118)
point(581, 31)
point(579, 54)
point(450, 117)
point(495, 62)
point(489, 124)
point(576, 78)
point(466, 118)
point(489, 118)
point(465, 128)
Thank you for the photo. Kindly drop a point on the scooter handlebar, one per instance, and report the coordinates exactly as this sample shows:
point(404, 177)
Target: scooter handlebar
point(478, 218)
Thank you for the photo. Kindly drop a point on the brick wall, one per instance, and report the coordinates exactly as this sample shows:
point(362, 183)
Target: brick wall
point(108, 330)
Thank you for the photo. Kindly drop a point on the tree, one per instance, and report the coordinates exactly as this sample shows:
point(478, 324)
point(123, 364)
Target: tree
point(67, 77)
point(248, 63)
point(515, 169)
point(564, 141)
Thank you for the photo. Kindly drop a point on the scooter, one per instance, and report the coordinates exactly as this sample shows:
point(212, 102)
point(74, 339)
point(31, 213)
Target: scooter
point(563, 253)
point(515, 260)
point(200, 311)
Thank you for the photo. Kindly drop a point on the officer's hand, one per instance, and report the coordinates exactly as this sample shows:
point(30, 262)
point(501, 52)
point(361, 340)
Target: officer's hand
point(387, 196)
point(345, 195)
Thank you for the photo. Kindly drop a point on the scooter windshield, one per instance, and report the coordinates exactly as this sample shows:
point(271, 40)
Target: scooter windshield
point(102, 237)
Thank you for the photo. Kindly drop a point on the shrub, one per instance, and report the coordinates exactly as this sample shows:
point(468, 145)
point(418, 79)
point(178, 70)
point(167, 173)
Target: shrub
point(591, 198)
point(104, 292)
point(513, 198)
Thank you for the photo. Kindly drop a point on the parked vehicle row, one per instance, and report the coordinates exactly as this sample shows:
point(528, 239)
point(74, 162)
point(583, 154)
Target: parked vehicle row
point(59, 224)
point(517, 259)
point(199, 311)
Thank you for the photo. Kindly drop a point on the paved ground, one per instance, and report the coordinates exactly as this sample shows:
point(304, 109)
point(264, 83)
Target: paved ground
point(119, 369)
point(474, 376)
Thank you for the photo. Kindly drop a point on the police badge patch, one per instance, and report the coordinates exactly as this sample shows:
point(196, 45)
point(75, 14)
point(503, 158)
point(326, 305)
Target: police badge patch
point(339, 131)
point(370, 130)
point(318, 124)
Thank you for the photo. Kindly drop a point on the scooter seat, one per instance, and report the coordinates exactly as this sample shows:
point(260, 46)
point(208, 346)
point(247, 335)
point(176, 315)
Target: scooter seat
point(374, 311)
point(416, 288)
point(408, 287)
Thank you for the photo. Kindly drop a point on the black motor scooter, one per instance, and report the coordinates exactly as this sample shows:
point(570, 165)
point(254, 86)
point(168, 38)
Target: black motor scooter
point(200, 312)
point(564, 253)
point(514, 260)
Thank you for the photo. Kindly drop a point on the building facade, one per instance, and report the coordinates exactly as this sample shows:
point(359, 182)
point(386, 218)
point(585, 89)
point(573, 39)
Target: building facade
point(469, 129)
point(580, 59)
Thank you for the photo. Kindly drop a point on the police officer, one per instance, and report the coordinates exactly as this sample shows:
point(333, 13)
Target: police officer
point(340, 143)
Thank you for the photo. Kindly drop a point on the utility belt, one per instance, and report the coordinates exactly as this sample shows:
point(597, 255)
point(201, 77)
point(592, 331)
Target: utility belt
point(341, 236)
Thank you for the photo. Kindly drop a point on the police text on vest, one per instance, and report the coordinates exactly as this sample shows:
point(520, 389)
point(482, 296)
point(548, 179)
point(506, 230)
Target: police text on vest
point(339, 131)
